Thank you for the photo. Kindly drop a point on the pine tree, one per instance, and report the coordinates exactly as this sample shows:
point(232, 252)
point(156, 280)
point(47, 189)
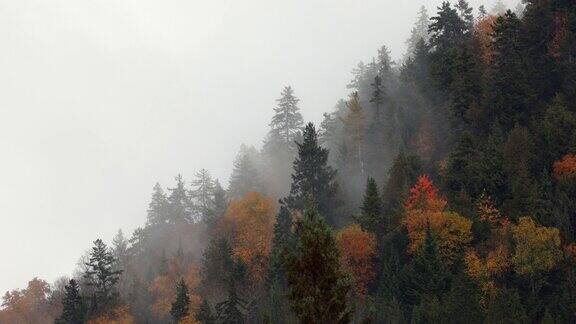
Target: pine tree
point(318, 285)
point(465, 12)
point(158, 208)
point(202, 194)
point(219, 206)
point(354, 129)
point(181, 306)
point(447, 28)
point(232, 310)
point(204, 314)
point(73, 307)
point(287, 121)
point(313, 179)
point(403, 174)
point(244, 177)
point(102, 275)
point(419, 31)
point(372, 217)
point(179, 204)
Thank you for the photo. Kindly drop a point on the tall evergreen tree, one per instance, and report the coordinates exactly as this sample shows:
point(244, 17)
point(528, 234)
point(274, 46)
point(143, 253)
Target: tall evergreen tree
point(244, 177)
point(313, 179)
point(219, 206)
point(232, 310)
point(181, 306)
point(202, 194)
point(158, 207)
point(102, 276)
point(372, 217)
point(73, 306)
point(287, 121)
point(179, 204)
point(204, 314)
point(419, 31)
point(318, 285)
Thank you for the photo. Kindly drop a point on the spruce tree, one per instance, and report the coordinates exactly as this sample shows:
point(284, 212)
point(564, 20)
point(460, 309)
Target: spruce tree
point(313, 179)
point(202, 194)
point(403, 174)
point(73, 306)
point(287, 121)
point(219, 206)
point(181, 306)
point(102, 275)
point(232, 310)
point(179, 204)
point(244, 177)
point(419, 31)
point(204, 314)
point(158, 208)
point(318, 285)
point(372, 217)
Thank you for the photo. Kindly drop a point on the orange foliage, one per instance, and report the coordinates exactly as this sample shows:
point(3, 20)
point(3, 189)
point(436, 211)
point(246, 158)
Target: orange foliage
point(424, 207)
point(120, 315)
point(483, 31)
point(566, 167)
point(560, 33)
point(357, 252)
point(250, 223)
point(30, 305)
point(164, 287)
point(488, 211)
point(425, 196)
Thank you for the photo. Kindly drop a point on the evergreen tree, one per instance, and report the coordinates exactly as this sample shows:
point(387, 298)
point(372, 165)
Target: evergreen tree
point(102, 275)
point(447, 28)
point(202, 194)
point(232, 310)
point(244, 177)
point(318, 285)
point(499, 8)
point(179, 204)
point(372, 217)
point(204, 314)
point(73, 307)
point(219, 206)
point(313, 178)
point(419, 31)
point(465, 12)
point(287, 121)
point(181, 306)
point(158, 208)
point(403, 174)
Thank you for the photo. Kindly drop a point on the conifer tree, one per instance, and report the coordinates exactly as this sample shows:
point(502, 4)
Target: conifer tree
point(219, 206)
point(181, 306)
point(158, 208)
point(287, 121)
point(179, 204)
point(313, 179)
point(232, 310)
point(318, 285)
point(244, 177)
point(419, 31)
point(403, 174)
point(204, 314)
point(73, 306)
point(372, 217)
point(202, 194)
point(102, 276)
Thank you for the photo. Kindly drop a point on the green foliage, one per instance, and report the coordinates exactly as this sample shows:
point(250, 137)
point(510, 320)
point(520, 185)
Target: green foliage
point(73, 306)
point(102, 276)
point(318, 285)
point(181, 306)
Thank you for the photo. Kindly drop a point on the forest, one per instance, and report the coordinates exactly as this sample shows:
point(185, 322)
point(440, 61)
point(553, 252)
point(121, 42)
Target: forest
point(442, 190)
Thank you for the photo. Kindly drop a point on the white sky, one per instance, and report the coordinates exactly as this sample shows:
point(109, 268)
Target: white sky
point(99, 99)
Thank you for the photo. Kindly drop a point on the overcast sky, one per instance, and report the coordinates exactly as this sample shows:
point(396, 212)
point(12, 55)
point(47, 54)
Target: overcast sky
point(99, 99)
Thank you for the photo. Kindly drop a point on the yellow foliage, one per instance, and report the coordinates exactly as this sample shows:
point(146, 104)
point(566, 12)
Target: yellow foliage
point(250, 223)
point(120, 315)
point(164, 287)
point(537, 247)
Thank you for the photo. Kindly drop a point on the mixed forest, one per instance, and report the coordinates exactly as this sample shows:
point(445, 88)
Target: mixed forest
point(442, 190)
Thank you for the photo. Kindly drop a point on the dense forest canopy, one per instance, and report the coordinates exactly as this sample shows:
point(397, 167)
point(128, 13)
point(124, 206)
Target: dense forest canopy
point(443, 189)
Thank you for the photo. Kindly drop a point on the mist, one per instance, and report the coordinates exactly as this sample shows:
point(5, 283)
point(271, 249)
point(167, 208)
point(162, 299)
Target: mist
point(101, 100)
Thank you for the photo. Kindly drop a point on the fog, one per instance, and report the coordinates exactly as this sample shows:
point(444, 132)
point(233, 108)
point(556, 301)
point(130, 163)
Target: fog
point(101, 99)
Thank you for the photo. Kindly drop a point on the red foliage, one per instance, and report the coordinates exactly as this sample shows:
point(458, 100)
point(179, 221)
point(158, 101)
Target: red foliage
point(566, 167)
point(424, 195)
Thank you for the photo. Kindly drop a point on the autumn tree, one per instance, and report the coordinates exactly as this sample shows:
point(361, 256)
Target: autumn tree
point(354, 124)
point(318, 284)
point(565, 168)
point(357, 254)
point(250, 223)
